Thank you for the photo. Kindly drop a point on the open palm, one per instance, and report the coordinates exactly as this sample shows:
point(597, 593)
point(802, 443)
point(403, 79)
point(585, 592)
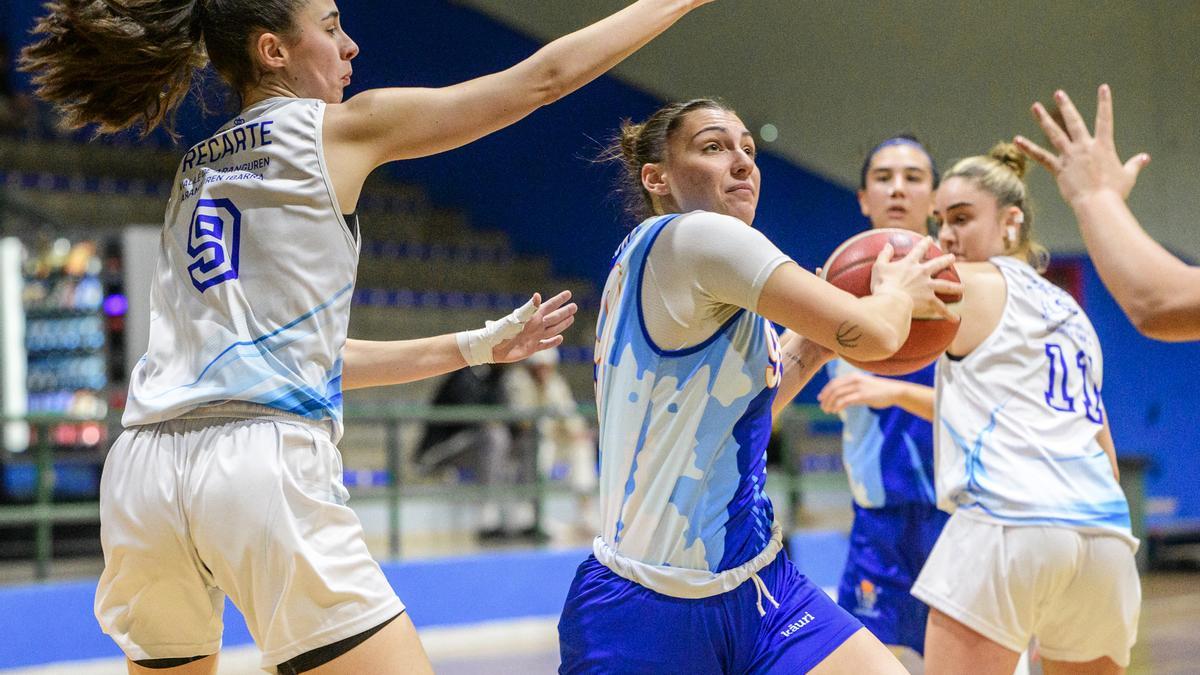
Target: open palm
point(543, 330)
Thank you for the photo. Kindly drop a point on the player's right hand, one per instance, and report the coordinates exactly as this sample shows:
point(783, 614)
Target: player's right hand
point(914, 277)
point(1085, 165)
point(857, 389)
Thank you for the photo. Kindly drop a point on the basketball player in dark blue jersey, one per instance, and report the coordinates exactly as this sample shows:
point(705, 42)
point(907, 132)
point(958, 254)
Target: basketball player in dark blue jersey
point(887, 450)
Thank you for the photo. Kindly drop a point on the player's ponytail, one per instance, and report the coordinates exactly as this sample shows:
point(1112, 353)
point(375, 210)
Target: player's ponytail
point(1001, 173)
point(124, 63)
point(638, 144)
point(115, 63)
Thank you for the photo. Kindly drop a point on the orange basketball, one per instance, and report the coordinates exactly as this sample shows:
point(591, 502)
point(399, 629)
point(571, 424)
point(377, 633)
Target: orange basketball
point(849, 268)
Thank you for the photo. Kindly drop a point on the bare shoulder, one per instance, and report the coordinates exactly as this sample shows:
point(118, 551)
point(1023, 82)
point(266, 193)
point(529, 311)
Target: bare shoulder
point(984, 295)
point(978, 272)
point(343, 120)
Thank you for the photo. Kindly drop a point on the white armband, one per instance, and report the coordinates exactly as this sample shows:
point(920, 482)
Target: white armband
point(476, 345)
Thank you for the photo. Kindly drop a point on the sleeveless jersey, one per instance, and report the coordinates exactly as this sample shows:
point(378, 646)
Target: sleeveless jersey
point(887, 452)
point(251, 298)
point(683, 433)
point(1018, 417)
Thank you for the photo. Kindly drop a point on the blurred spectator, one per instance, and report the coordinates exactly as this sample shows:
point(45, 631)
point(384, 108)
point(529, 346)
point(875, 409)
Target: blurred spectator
point(479, 452)
point(566, 448)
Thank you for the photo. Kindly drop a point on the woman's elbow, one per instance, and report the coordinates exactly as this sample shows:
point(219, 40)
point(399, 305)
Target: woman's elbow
point(547, 82)
point(1155, 320)
point(884, 342)
point(889, 344)
point(1163, 327)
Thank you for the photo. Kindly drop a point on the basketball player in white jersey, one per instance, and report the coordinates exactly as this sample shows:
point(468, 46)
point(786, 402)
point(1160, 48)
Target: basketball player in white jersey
point(688, 575)
point(226, 480)
point(1039, 543)
point(1165, 304)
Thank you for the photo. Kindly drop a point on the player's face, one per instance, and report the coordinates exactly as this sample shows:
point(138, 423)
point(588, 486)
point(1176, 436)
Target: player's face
point(899, 189)
point(319, 58)
point(972, 224)
point(710, 165)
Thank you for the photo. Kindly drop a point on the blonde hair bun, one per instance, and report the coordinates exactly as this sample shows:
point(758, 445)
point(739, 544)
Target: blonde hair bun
point(1011, 156)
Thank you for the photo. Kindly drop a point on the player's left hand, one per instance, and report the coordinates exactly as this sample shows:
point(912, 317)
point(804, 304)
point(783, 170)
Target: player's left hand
point(857, 389)
point(542, 331)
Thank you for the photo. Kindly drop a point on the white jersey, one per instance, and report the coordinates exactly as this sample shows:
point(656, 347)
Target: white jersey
point(251, 297)
point(1017, 418)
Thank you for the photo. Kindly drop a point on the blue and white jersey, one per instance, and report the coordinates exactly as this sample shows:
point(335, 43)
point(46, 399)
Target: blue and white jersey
point(251, 298)
point(887, 452)
point(683, 433)
point(1017, 418)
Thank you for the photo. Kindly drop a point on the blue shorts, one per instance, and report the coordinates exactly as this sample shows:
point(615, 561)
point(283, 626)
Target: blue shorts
point(888, 548)
point(612, 625)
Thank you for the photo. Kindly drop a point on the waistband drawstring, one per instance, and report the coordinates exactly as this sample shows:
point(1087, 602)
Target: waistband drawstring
point(761, 587)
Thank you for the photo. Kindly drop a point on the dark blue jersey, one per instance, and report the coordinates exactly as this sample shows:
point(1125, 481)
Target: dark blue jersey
point(887, 452)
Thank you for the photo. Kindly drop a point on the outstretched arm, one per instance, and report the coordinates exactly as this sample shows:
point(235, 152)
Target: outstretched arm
point(381, 125)
point(369, 363)
point(1159, 292)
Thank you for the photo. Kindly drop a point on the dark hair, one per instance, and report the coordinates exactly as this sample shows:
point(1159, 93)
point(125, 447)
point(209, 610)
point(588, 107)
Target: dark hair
point(898, 139)
point(118, 63)
point(636, 145)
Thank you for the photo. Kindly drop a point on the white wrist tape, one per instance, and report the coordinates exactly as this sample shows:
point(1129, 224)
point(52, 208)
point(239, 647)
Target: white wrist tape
point(476, 345)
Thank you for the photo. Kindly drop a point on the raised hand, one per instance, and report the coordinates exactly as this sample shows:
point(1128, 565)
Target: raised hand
point(541, 331)
point(913, 277)
point(1086, 164)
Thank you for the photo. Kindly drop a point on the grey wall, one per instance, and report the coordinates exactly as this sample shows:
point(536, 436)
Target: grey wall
point(836, 76)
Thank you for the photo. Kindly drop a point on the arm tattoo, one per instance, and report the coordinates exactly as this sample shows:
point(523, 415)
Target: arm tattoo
point(848, 334)
point(794, 359)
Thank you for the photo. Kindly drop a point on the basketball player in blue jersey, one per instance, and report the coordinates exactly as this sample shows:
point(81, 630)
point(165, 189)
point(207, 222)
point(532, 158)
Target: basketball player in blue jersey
point(887, 450)
point(227, 480)
point(1164, 305)
point(1039, 543)
point(688, 575)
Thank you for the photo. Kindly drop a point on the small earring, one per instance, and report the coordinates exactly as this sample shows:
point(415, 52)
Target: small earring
point(1012, 234)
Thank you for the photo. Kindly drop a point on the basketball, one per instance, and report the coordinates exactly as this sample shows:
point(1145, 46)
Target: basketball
point(849, 268)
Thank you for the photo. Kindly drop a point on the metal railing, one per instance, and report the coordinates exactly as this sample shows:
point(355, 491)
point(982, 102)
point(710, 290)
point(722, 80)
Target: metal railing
point(44, 512)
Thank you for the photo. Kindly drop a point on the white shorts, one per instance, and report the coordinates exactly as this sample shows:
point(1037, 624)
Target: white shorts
point(1077, 592)
point(194, 509)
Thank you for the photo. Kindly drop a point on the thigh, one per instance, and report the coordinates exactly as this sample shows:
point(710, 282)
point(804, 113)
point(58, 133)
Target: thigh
point(1096, 615)
point(952, 647)
point(154, 597)
point(861, 653)
point(1101, 666)
point(804, 630)
point(612, 625)
point(269, 519)
point(396, 648)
